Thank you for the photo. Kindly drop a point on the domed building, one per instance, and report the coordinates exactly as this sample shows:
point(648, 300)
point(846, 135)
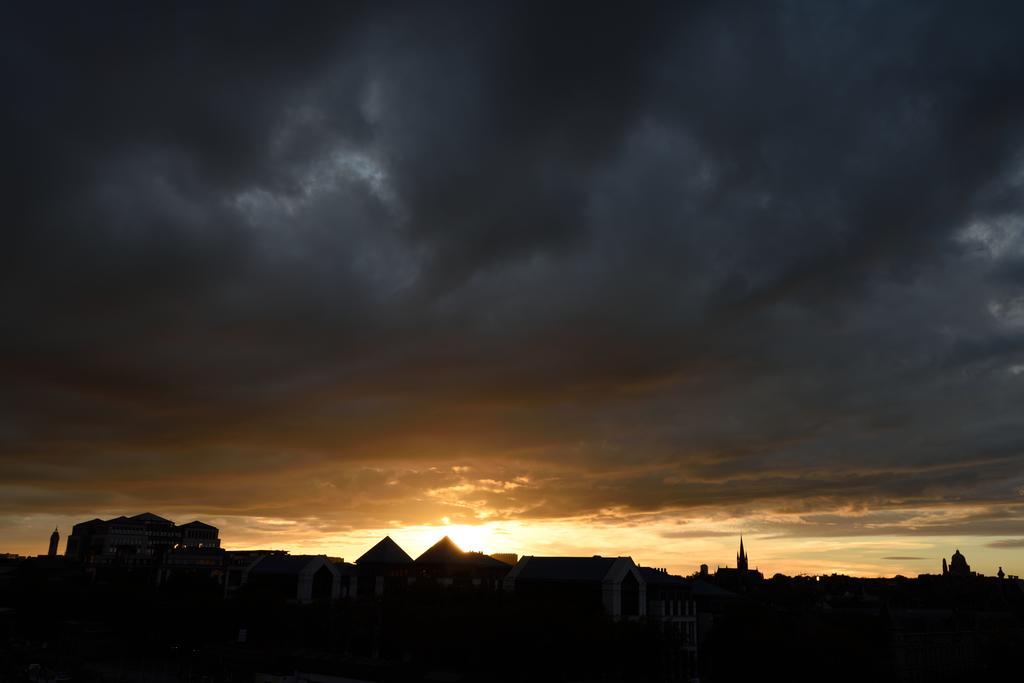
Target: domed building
point(957, 566)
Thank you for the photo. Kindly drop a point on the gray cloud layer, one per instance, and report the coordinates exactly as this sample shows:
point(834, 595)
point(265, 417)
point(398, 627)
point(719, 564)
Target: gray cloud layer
point(745, 257)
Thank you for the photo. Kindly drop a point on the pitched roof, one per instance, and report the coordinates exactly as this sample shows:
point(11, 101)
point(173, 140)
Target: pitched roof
point(446, 552)
point(443, 552)
point(565, 568)
point(150, 517)
point(385, 552)
point(285, 564)
point(197, 525)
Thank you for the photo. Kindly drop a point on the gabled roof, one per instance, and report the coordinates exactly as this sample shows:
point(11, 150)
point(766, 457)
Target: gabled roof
point(585, 569)
point(150, 517)
point(385, 552)
point(443, 552)
point(197, 525)
point(593, 571)
point(288, 564)
point(446, 552)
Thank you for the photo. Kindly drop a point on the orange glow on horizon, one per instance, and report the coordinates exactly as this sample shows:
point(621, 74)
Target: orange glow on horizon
point(652, 544)
point(679, 545)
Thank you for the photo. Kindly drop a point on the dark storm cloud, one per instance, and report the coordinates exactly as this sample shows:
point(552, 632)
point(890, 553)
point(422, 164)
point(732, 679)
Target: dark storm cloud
point(735, 257)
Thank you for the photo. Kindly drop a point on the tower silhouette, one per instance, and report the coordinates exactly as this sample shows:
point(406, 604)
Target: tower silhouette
point(54, 542)
point(741, 557)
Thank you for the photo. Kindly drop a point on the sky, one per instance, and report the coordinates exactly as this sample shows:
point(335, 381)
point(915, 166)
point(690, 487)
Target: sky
point(554, 278)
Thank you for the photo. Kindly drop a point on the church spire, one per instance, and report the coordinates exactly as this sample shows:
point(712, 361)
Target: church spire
point(741, 558)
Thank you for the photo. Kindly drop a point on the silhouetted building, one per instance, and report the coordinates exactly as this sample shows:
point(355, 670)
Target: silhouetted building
point(193, 562)
point(385, 552)
point(349, 578)
point(508, 558)
point(383, 568)
point(671, 607)
point(448, 565)
point(9, 565)
point(711, 602)
point(613, 584)
point(302, 578)
point(957, 566)
point(198, 535)
point(236, 562)
point(741, 575)
point(54, 542)
point(136, 540)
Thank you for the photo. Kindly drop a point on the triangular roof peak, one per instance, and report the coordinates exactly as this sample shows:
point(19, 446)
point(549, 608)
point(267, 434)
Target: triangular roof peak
point(443, 551)
point(198, 525)
point(386, 551)
point(150, 517)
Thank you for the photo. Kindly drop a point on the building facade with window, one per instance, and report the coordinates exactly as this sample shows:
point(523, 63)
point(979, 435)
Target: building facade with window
point(141, 539)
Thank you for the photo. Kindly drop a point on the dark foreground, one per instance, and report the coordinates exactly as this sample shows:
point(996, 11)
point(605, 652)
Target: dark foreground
point(63, 624)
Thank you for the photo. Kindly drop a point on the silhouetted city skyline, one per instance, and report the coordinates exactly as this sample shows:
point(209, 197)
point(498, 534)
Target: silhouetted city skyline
point(655, 625)
point(145, 537)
